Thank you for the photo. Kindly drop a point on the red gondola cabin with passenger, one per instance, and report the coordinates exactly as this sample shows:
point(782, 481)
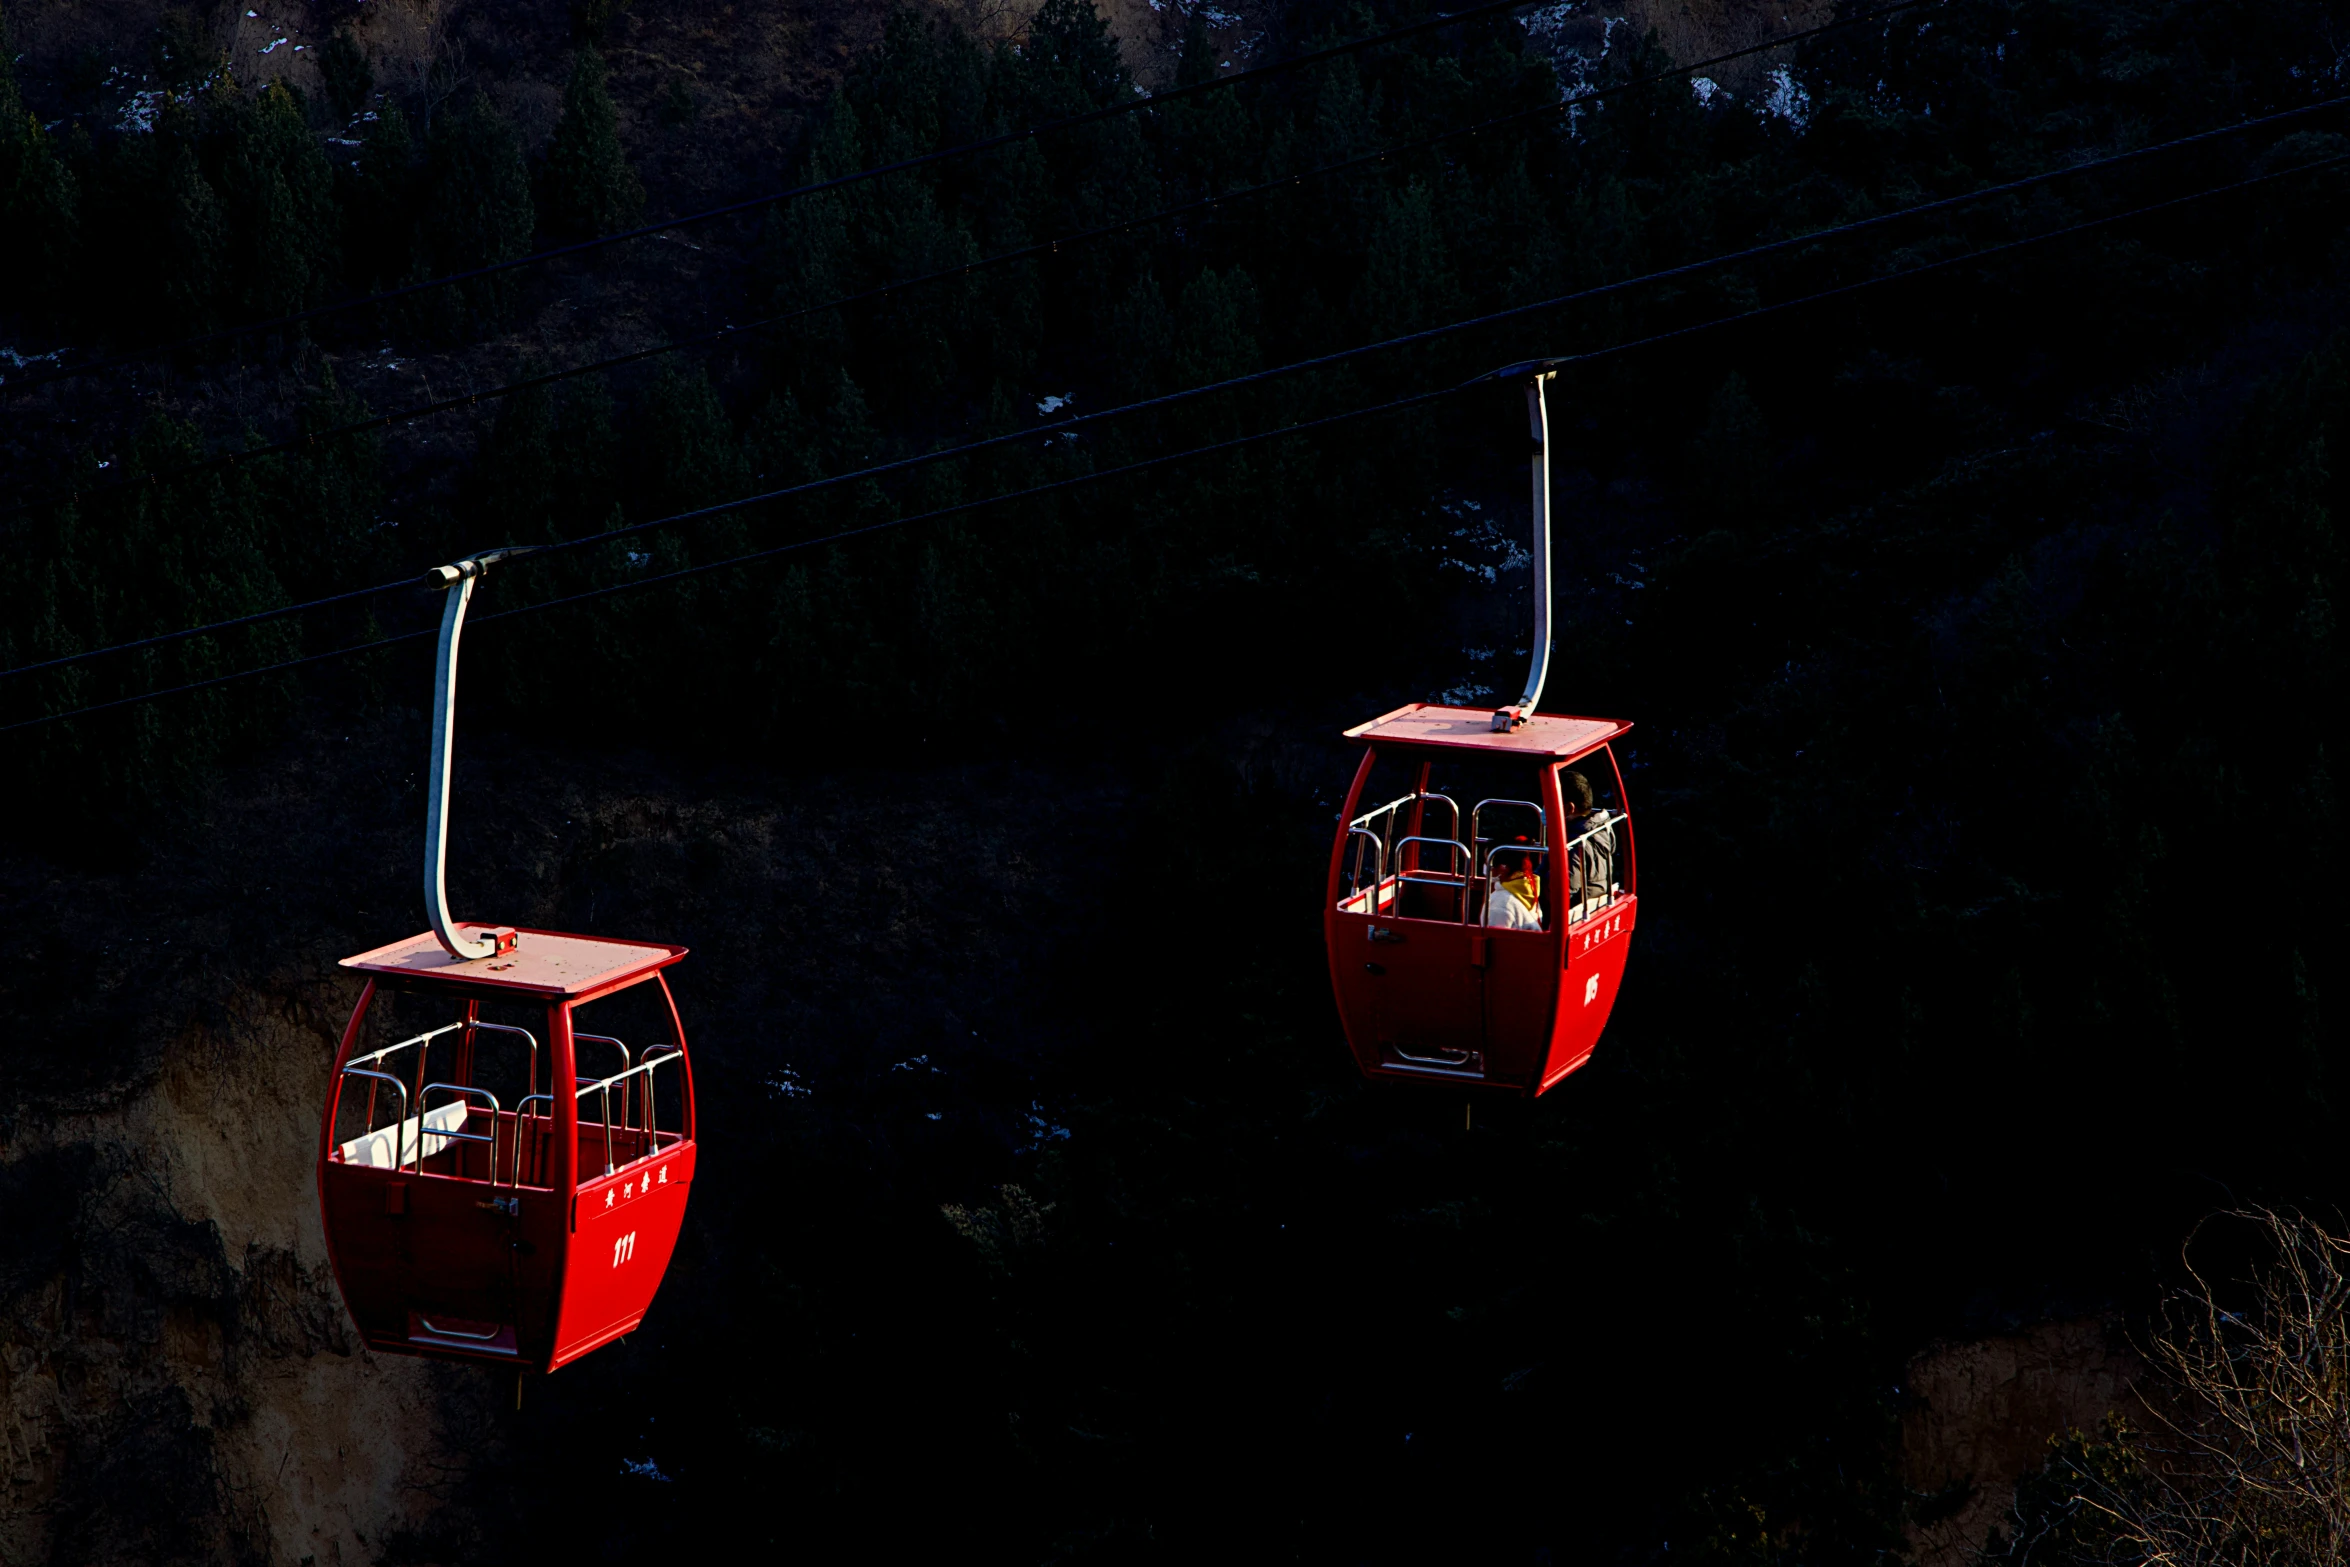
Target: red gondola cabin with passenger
point(1482, 896)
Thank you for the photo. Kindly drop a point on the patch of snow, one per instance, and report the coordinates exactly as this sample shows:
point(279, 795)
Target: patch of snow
point(17, 361)
point(785, 1084)
point(1463, 695)
point(272, 44)
point(1705, 87)
point(1478, 655)
point(1053, 405)
point(912, 1062)
point(934, 1115)
point(139, 111)
point(637, 557)
point(1040, 1129)
point(138, 115)
point(1787, 100)
point(643, 1470)
point(1549, 34)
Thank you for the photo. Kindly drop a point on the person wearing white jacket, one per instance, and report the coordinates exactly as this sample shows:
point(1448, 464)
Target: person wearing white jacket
point(1513, 898)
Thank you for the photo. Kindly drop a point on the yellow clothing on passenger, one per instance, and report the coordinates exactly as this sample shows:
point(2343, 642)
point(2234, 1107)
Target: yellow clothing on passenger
point(1515, 904)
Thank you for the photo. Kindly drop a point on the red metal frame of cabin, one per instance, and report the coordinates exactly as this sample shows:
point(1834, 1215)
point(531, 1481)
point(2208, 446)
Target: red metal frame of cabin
point(399, 1236)
point(1541, 999)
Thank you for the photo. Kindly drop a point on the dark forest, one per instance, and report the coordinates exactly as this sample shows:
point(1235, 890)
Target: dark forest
point(1043, 1215)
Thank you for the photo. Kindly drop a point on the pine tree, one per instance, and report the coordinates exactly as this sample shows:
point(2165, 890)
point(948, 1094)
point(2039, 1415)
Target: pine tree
point(277, 193)
point(694, 457)
point(1407, 276)
point(587, 186)
point(190, 238)
point(477, 208)
point(1216, 328)
point(348, 78)
point(40, 203)
point(379, 191)
point(1071, 60)
point(1729, 463)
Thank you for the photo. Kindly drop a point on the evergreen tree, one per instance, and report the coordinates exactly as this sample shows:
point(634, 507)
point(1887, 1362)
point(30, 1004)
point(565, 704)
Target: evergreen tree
point(1144, 336)
point(378, 197)
point(1069, 62)
point(1407, 275)
point(693, 456)
point(1729, 462)
point(189, 246)
point(348, 78)
point(1216, 328)
point(586, 186)
point(277, 193)
point(40, 202)
point(320, 503)
point(476, 209)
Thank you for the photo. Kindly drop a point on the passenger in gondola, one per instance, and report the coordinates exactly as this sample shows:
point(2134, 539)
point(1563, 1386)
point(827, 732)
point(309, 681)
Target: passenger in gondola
point(1591, 862)
point(1514, 901)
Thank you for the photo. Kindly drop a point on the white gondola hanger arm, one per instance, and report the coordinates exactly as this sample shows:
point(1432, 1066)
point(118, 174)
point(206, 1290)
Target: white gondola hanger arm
point(1538, 416)
point(458, 580)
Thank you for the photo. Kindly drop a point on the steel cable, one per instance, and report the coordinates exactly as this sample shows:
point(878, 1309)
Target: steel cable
point(1391, 406)
point(1074, 422)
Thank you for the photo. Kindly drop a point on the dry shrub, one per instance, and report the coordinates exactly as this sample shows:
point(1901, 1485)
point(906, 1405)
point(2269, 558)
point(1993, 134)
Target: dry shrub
point(2238, 1452)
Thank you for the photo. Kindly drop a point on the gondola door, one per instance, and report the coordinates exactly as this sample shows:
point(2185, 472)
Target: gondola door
point(1407, 963)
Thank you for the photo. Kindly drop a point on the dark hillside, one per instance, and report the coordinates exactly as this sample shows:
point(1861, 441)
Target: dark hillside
point(1979, 629)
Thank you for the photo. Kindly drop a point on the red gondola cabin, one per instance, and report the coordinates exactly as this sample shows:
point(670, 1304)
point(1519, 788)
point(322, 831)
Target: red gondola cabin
point(1482, 895)
point(475, 1209)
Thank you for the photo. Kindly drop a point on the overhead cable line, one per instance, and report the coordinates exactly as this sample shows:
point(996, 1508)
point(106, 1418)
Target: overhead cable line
point(310, 439)
point(1395, 405)
point(1074, 422)
point(837, 182)
point(1077, 422)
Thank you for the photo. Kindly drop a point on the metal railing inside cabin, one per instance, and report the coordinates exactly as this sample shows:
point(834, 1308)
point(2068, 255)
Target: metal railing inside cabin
point(1378, 848)
point(428, 1140)
point(638, 1123)
point(626, 1061)
point(1594, 867)
point(1374, 836)
point(1477, 835)
point(467, 1096)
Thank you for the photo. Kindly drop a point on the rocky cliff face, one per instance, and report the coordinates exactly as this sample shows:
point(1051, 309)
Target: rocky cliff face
point(1981, 1415)
point(177, 1379)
